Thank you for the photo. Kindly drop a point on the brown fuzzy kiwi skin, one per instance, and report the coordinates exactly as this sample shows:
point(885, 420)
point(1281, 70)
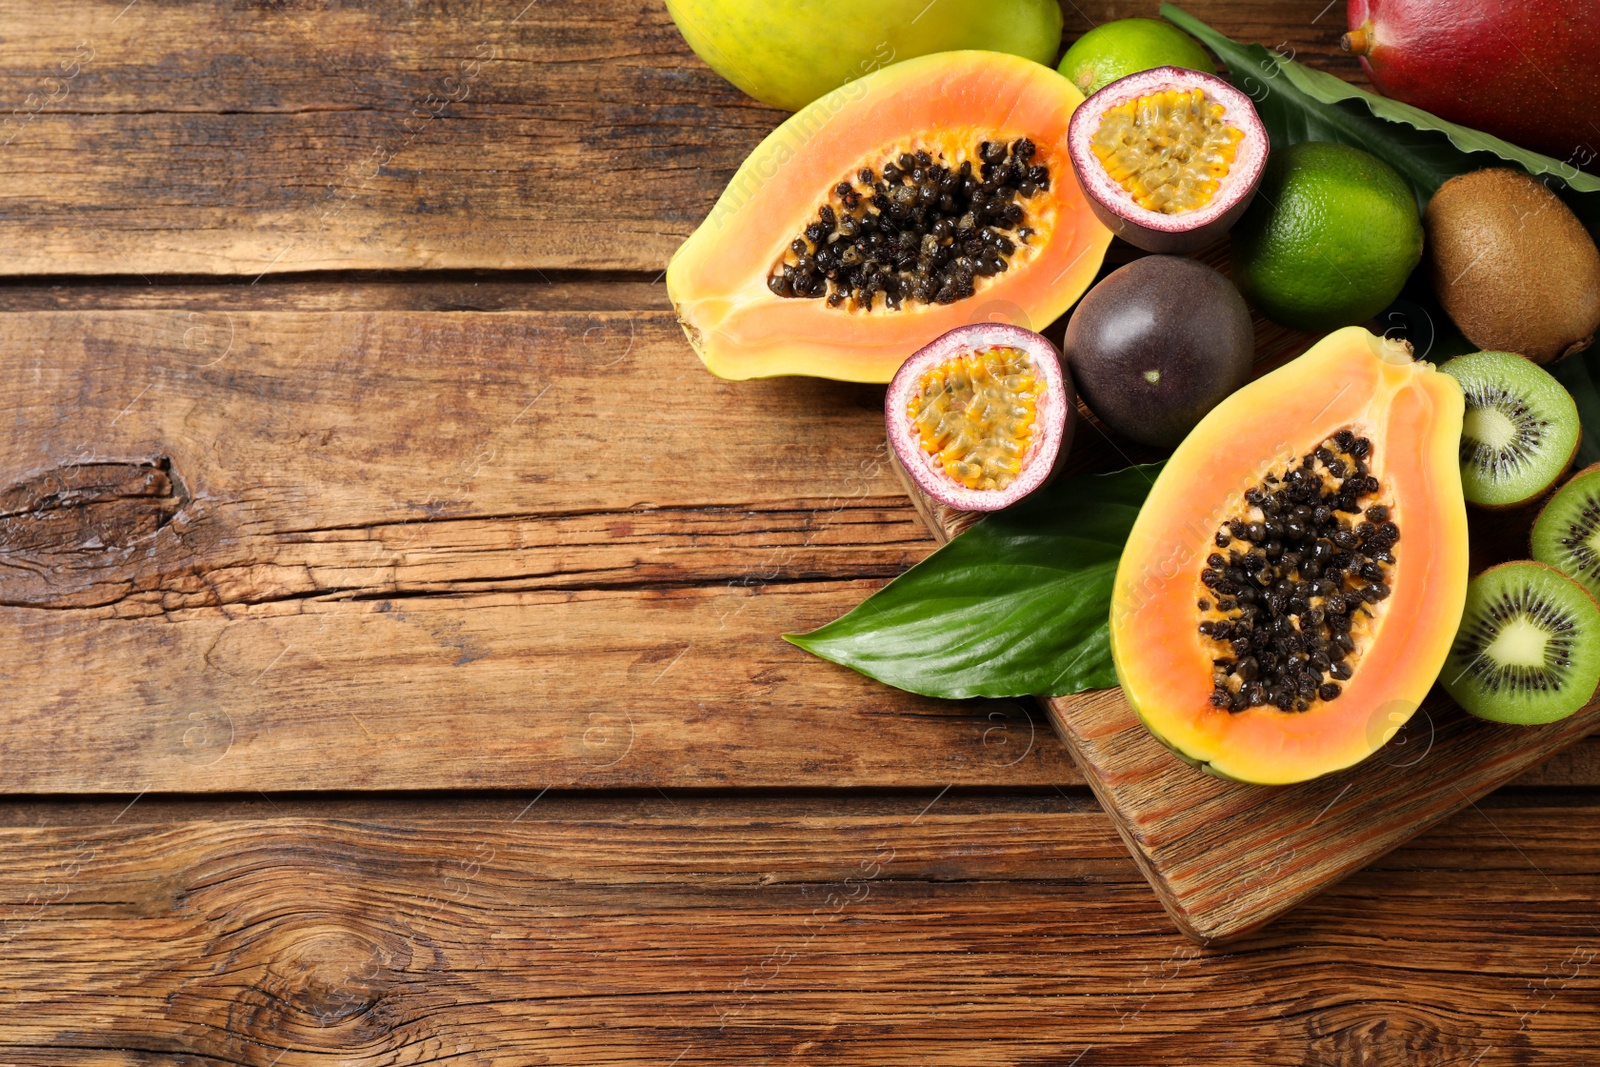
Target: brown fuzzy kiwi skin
point(1512, 265)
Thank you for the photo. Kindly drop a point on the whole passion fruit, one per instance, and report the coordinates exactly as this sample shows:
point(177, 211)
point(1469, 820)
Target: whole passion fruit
point(981, 417)
point(1158, 344)
point(1168, 158)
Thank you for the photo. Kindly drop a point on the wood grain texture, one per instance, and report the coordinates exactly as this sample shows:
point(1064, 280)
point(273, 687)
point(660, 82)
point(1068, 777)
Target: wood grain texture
point(1226, 858)
point(300, 550)
point(378, 550)
point(245, 137)
point(455, 291)
point(916, 929)
point(248, 545)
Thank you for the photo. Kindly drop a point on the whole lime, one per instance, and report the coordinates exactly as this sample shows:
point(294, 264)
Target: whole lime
point(1330, 238)
point(1116, 49)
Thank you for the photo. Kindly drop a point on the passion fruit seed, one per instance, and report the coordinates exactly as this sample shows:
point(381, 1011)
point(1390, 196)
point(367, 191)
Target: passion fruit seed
point(1297, 579)
point(919, 232)
point(1170, 150)
point(976, 414)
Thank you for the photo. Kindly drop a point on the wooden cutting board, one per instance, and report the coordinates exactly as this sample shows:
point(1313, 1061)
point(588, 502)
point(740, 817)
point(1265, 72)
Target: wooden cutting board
point(1226, 858)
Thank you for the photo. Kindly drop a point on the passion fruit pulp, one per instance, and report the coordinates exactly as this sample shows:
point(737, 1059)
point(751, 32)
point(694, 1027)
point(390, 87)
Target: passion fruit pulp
point(1168, 158)
point(981, 417)
point(927, 195)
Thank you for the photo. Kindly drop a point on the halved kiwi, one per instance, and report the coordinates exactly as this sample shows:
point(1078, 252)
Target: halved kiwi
point(1521, 429)
point(1528, 650)
point(1567, 533)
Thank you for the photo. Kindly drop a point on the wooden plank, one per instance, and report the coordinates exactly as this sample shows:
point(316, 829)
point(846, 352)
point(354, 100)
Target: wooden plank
point(239, 138)
point(1227, 858)
point(372, 565)
point(349, 291)
point(372, 550)
point(909, 930)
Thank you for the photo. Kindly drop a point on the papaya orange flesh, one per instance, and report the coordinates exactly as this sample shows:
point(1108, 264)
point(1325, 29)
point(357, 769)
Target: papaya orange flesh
point(769, 284)
point(1313, 524)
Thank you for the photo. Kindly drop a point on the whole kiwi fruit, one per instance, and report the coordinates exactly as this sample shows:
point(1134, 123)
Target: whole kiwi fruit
point(1512, 265)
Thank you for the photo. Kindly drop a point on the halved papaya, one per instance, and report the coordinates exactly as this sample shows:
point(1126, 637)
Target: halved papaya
point(931, 194)
point(1294, 581)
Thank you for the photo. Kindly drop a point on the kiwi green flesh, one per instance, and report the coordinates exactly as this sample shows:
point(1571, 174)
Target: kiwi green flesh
point(1528, 650)
point(1521, 429)
point(1567, 532)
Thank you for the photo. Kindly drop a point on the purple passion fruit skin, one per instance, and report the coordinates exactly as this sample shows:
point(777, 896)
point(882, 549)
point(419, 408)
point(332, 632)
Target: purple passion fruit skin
point(982, 416)
point(1187, 228)
point(1158, 344)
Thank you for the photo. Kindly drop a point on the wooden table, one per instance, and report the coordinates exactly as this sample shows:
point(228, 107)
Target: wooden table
point(389, 612)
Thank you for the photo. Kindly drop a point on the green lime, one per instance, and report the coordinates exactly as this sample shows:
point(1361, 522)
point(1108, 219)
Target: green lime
point(1117, 49)
point(1329, 239)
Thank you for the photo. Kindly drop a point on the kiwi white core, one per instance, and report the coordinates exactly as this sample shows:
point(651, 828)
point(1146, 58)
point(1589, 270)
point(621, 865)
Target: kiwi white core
point(1528, 650)
point(1520, 644)
point(1491, 427)
point(1520, 432)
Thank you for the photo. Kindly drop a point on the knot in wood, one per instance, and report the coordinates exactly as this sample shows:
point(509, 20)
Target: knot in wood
point(82, 534)
point(102, 507)
point(318, 976)
point(1353, 1034)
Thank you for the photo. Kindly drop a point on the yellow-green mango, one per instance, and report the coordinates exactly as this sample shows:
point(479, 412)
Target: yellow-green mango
point(787, 53)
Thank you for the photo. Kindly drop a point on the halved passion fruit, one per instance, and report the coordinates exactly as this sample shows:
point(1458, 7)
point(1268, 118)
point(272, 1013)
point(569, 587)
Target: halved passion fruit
point(980, 418)
point(1169, 158)
point(925, 196)
point(1295, 579)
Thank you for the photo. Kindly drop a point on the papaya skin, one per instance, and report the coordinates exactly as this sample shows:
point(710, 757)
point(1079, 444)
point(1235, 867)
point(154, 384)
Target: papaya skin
point(787, 53)
point(1413, 414)
point(717, 280)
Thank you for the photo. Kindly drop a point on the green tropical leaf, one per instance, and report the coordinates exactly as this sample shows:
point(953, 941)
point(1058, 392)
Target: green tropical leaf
point(1297, 103)
point(1019, 605)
